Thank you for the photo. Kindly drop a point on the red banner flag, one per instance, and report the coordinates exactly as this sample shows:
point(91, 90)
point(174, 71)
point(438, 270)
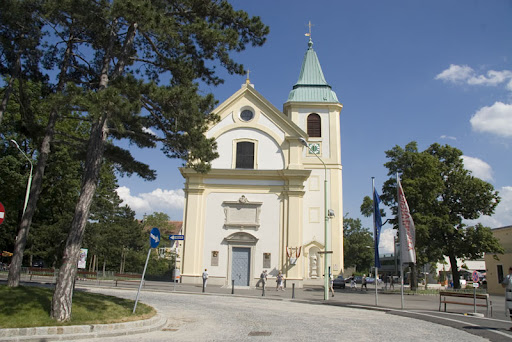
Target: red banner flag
point(406, 228)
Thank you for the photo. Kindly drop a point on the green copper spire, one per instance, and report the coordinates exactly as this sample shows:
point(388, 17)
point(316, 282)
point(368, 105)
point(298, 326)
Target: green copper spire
point(311, 86)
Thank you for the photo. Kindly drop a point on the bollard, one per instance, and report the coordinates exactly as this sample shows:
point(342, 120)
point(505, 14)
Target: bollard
point(203, 284)
point(263, 292)
point(232, 287)
point(293, 291)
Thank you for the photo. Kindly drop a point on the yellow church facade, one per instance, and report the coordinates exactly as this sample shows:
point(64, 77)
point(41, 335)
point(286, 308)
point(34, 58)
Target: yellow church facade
point(263, 205)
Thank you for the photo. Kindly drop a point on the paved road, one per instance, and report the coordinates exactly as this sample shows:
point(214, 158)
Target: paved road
point(207, 317)
point(219, 315)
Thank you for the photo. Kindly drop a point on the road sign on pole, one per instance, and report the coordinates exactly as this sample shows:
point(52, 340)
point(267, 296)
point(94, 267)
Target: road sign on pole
point(154, 240)
point(475, 276)
point(154, 237)
point(2, 213)
point(176, 237)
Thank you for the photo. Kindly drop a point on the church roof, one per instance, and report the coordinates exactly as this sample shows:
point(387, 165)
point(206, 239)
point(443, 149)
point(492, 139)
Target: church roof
point(312, 86)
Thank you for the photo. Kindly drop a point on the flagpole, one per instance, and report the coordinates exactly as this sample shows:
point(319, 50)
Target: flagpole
point(375, 243)
point(401, 254)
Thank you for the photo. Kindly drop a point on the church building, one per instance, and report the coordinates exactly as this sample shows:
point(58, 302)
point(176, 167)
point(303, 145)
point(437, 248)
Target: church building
point(274, 188)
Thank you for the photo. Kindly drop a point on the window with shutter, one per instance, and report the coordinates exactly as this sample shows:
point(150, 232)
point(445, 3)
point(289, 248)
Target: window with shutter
point(314, 125)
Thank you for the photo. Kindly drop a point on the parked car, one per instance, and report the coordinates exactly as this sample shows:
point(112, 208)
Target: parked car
point(339, 282)
point(371, 280)
point(38, 263)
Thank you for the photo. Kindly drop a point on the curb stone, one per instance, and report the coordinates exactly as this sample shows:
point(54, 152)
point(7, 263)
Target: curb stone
point(77, 332)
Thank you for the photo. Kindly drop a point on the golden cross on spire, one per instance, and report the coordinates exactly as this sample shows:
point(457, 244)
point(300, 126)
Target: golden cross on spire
point(247, 81)
point(309, 33)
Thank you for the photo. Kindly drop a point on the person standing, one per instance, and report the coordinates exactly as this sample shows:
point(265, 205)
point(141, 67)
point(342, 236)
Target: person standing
point(507, 284)
point(205, 278)
point(363, 283)
point(263, 279)
point(331, 284)
point(280, 282)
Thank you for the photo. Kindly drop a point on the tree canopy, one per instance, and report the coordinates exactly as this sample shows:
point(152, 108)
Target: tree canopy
point(130, 70)
point(441, 194)
point(357, 245)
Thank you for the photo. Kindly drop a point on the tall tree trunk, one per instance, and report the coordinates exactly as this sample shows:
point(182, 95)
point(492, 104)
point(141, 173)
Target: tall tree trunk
point(13, 279)
point(414, 277)
point(455, 271)
point(62, 297)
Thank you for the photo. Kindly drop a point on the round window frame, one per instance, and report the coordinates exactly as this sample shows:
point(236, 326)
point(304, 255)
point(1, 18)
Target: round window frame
point(244, 111)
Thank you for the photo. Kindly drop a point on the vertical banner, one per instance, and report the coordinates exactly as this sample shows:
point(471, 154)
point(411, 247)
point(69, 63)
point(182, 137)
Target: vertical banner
point(406, 228)
point(377, 225)
point(82, 260)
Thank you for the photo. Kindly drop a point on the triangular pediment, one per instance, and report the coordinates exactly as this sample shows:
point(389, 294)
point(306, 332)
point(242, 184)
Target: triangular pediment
point(266, 115)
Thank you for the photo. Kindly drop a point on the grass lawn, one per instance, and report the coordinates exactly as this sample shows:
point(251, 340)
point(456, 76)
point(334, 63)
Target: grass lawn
point(29, 306)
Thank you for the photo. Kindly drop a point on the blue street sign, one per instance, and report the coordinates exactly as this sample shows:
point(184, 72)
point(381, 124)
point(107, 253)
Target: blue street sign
point(154, 237)
point(176, 237)
point(475, 276)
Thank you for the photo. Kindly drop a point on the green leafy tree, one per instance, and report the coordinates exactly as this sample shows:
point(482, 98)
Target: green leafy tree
point(357, 244)
point(153, 39)
point(20, 34)
point(112, 230)
point(441, 193)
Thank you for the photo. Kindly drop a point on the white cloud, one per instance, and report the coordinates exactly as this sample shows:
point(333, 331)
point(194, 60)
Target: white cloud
point(493, 78)
point(149, 130)
point(465, 74)
point(478, 168)
point(456, 74)
point(167, 201)
point(495, 119)
point(448, 137)
point(503, 214)
point(386, 242)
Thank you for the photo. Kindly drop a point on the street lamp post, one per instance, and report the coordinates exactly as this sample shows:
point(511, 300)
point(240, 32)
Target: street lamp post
point(326, 267)
point(29, 183)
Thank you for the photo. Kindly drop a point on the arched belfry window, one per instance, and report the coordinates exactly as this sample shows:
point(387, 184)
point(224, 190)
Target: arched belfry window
point(314, 125)
point(244, 155)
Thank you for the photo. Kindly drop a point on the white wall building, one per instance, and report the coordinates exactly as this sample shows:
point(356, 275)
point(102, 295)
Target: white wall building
point(262, 204)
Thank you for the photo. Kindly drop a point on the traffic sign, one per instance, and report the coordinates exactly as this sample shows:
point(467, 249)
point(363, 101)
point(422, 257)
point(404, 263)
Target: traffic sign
point(176, 237)
point(154, 237)
point(2, 213)
point(475, 276)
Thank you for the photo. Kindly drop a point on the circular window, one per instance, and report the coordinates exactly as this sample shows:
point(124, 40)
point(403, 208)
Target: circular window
point(246, 115)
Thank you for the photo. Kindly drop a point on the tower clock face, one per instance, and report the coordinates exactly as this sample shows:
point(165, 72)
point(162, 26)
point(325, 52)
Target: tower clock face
point(314, 148)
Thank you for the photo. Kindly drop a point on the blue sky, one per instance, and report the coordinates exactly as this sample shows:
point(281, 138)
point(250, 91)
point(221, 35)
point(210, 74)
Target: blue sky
point(428, 71)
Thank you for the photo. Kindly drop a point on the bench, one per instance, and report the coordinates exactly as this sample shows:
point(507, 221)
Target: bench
point(127, 277)
point(37, 271)
point(445, 298)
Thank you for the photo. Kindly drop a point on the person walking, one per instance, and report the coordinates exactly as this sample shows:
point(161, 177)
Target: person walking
point(331, 284)
point(352, 283)
point(363, 283)
point(507, 284)
point(280, 282)
point(205, 278)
